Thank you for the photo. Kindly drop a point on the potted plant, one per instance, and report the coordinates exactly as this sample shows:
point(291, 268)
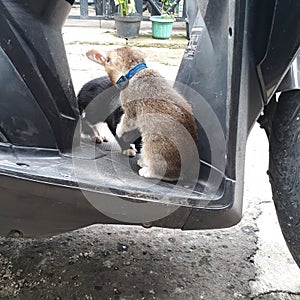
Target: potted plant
point(127, 21)
point(162, 25)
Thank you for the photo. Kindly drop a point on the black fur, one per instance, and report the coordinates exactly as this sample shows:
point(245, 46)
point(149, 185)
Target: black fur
point(99, 99)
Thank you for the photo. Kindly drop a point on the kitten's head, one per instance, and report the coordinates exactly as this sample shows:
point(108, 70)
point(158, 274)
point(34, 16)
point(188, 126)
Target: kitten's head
point(117, 62)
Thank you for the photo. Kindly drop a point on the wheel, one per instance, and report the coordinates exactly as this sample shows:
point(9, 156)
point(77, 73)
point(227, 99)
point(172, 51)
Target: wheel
point(282, 124)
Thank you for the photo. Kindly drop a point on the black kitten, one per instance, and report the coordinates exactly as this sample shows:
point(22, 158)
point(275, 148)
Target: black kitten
point(98, 101)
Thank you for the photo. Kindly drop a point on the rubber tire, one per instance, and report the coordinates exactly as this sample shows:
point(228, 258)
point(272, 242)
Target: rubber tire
point(284, 167)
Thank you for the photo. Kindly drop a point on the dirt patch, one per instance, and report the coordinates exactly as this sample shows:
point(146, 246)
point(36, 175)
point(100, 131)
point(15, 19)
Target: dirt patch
point(118, 262)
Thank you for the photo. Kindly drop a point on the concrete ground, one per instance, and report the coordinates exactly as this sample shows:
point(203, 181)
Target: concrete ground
point(248, 261)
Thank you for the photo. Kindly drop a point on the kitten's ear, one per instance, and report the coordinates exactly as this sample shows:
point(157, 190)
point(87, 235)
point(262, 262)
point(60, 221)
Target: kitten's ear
point(96, 56)
point(142, 55)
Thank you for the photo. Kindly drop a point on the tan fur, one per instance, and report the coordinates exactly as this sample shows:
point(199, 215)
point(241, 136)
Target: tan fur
point(164, 117)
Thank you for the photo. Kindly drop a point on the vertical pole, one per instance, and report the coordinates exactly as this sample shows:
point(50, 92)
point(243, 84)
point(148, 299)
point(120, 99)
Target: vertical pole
point(98, 7)
point(139, 6)
point(84, 9)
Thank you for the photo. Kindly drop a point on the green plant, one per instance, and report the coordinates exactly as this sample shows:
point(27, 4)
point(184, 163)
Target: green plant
point(126, 7)
point(166, 4)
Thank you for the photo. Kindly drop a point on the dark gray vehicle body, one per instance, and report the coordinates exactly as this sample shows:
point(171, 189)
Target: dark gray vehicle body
point(239, 54)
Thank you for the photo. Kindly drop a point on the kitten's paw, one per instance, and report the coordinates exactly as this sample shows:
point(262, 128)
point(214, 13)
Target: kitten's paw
point(104, 139)
point(88, 138)
point(129, 152)
point(100, 139)
point(119, 130)
point(141, 163)
point(146, 172)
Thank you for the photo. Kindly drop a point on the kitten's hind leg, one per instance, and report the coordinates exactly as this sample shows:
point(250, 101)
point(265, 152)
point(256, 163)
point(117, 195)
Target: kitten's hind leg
point(147, 173)
point(129, 152)
point(141, 162)
point(152, 168)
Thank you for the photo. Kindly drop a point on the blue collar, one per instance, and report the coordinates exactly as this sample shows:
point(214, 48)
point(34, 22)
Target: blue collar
point(132, 72)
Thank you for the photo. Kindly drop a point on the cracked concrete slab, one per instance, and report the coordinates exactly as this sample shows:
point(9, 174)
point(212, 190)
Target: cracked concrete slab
point(277, 276)
point(277, 295)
